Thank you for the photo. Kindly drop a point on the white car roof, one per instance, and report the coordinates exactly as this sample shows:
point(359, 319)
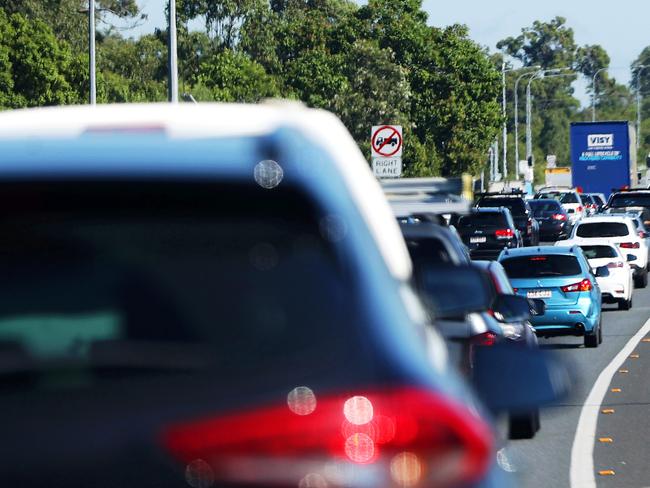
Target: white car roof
point(200, 121)
point(606, 218)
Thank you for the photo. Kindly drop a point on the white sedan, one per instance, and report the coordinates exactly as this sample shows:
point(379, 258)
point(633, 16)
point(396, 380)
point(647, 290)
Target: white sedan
point(618, 285)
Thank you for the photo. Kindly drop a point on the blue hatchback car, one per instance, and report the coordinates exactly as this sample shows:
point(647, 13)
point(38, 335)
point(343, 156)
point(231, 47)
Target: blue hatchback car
point(562, 277)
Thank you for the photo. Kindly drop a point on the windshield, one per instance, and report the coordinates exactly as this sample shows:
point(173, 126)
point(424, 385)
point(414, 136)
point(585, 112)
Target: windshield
point(482, 219)
point(630, 200)
point(597, 252)
point(225, 288)
point(539, 266)
point(561, 196)
point(541, 207)
point(428, 249)
point(602, 229)
point(516, 205)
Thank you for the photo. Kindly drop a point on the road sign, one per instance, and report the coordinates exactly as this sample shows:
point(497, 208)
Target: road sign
point(387, 167)
point(386, 141)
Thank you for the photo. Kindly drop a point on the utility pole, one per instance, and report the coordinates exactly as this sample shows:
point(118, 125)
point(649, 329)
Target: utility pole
point(639, 69)
point(173, 56)
point(517, 116)
point(91, 52)
point(593, 94)
point(505, 126)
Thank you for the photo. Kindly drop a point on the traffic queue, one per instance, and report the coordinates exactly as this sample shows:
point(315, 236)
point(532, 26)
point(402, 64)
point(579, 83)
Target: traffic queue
point(219, 295)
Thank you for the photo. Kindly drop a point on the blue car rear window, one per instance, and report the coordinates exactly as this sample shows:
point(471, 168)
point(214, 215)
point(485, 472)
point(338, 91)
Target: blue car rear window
point(539, 266)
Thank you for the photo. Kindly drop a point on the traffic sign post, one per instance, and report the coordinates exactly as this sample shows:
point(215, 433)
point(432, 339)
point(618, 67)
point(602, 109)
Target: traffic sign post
point(386, 146)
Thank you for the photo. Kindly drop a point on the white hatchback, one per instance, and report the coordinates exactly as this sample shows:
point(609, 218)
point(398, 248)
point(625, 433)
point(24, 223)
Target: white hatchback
point(618, 285)
point(618, 230)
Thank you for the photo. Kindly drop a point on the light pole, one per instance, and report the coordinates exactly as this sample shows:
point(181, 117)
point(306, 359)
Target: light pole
point(593, 94)
point(91, 52)
point(517, 116)
point(639, 69)
point(529, 111)
point(173, 56)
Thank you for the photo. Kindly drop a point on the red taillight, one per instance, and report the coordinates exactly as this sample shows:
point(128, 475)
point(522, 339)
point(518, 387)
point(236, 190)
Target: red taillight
point(504, 234)
point(579, 209)
point(629, 245)
point(642, 234)
point(406, 435)
point(584, 285)
point(558, 217)
point(485, 339)
point(615, 264)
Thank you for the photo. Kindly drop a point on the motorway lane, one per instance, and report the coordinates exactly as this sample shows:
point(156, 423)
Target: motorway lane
point(545, 460)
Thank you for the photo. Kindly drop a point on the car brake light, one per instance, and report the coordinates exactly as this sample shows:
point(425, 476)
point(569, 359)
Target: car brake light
point(629, 245)
point(584, 285)
point(642, 234)
point(579, 209)
point(558, 217)
point(409, 435)
point(504, 234)
point(615, 264)
point(485, 339)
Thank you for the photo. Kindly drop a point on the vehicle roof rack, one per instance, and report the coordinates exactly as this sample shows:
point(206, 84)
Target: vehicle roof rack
point(514, 192)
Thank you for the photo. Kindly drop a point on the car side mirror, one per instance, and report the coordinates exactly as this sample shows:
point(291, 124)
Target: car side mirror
point(537, 307)
point(452, 291)
point(535, 378)
point(511, 308)
point(602, 272)
point(630, 257)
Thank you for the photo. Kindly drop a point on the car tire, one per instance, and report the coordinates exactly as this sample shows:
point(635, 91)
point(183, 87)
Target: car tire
point(592, 340)
point(624, 304)
point(641, 281)
point(600, 332)
point(524, 426)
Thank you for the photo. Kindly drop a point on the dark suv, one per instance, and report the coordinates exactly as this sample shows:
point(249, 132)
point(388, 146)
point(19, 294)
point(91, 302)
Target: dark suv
point(487, 231)
point(520, 210)
point(635, 199)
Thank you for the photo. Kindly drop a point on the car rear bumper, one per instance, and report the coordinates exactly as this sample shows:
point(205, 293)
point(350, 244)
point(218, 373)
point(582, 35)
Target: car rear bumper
point(485, 254)
point(569, 321)
point(553, 231)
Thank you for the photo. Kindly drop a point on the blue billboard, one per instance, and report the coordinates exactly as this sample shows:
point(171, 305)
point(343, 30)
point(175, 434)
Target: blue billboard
point(600, 156)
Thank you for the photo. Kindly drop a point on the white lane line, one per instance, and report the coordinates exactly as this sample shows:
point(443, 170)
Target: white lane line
point(582, 451)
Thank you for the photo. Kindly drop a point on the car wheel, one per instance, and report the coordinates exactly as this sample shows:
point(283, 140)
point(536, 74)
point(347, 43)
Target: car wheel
point(641, 281)
point(524, 426)
point(591, 340)
point(600, 332)
point(624, 304)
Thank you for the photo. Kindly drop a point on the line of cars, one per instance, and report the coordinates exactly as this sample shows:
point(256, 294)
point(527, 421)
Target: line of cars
point(209, 295)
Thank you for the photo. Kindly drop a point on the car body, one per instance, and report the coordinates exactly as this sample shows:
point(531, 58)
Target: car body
point(618, 285)
point(519, 209)
point(553, 219)
point(620, 230)
point(569, 199)
point(591, 204)
point(562, 277)
point(203, 276)
point(486, 231)
point(598, 199)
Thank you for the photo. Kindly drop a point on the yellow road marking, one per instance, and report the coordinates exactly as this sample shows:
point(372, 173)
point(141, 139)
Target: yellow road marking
point(605, 440)
point(606, 472)
point(634, 356)
point(647, 339)
point(623, 370)
point(615, 390)
point(608, 410)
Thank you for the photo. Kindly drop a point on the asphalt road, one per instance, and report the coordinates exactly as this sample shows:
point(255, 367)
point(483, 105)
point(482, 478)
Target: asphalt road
point(545, 460)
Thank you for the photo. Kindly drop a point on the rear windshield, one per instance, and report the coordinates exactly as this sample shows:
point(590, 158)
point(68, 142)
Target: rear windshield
point(428, 249)
point(516, 205)
point(482, 219)
point(630, 200)
point(537, 266)
point(166, 278)
point(597, 252)
point(540, 207)
point(561, 196)
point(602, 229)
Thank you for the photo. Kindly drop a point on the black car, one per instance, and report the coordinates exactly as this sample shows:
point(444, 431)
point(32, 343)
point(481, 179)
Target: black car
point(520, 210)
point(552, 218)
point(635, 199)
point(487, 231)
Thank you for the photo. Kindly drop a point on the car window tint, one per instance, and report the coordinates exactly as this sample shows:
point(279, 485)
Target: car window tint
point(516, 205)
point(569, 197)
point(243, 271)
point(482, 219)
point(538, 266)
point(602, 229)
point(541, 207)
point(630, 200)
point(597, 252)
point(429, 249)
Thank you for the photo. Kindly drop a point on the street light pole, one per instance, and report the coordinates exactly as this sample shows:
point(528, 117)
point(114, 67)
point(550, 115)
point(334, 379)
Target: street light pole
point(593, 94)
point(640, 69)
point(91, 52)
point(505, 126)
point(173, 56)
point(517, 118)
point(529, 111)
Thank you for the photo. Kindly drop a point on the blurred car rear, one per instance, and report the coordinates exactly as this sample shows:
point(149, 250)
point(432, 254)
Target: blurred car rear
point(487, 231)
point(553, 219)
point(225, 309)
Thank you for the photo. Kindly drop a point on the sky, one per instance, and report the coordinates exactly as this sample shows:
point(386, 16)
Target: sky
point(621, 26)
